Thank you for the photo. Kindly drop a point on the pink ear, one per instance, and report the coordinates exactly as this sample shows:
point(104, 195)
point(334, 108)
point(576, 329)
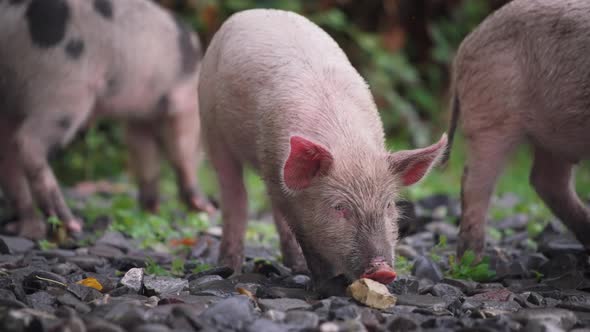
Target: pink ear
point(412, 165)
point(306, 160)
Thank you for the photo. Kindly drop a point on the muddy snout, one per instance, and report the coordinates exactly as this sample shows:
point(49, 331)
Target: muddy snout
point(380, 271)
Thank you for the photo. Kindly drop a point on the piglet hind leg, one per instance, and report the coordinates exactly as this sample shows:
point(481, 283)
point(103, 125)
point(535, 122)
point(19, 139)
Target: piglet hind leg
point(487, 156)
point(552, 178)
point(144, 162)
point(15, 187)
point(292, 254)
point(180, 135)
point(46, 128)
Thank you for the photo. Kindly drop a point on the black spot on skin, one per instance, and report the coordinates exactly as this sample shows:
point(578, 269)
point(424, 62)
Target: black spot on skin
point(64, 123)
point(75, 48)
point(190, 55)
point(163, 104)
point(104, 8)
point(47, 20)
point(16, 2)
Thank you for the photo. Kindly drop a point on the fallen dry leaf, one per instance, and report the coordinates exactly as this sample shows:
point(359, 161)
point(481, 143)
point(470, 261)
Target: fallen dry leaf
point(91, 282)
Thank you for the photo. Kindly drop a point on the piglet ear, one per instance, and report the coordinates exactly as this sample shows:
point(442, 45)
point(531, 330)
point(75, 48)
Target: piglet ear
point(412, 165)
point(306, 160)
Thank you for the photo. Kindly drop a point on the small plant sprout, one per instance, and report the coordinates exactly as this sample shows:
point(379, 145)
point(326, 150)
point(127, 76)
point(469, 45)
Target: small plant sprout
point(466, 268)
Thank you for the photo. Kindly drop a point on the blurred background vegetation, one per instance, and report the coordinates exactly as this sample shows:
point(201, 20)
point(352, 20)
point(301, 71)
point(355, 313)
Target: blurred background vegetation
point(403, 48)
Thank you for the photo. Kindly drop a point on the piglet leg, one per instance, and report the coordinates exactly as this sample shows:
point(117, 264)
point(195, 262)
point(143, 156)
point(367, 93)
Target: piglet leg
point(180, 135)
point(551, 177)
point(144, 161)
point(15, 187)
point(292, 254)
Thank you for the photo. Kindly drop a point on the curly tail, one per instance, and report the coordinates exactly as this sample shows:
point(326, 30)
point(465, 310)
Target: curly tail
point(456, 110)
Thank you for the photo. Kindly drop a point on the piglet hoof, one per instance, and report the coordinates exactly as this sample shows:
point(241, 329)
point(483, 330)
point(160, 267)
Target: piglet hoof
point(34, 229)
point(232, 261)
point(73, 226)
point(201, 204)
point(466, 243)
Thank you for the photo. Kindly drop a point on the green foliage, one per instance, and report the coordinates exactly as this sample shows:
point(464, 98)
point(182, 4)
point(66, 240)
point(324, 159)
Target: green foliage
point(153, 268)
point(402, 265)
point(46, 245)
point(177, 268)
point(466, 268)
point(201, 268)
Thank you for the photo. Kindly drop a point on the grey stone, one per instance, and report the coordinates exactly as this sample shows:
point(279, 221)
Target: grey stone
point(86, 294)
point(421, 301)
point(297, 281)
point(17, 245)
point(285, 304)
point(65, 269)
point(424, 267)
point(302, 319)
point(262, 324)
point(446, 290)
point(42, 301)
point(234, 313)
point(157, 285)
point(133, 279)
point(115, 239)
point(70, 300)
point(203, 280)
point(222, 288)
point(562, 318)
point(222, 271)
point(105, 251)
point(151, 328)
point(86, 262)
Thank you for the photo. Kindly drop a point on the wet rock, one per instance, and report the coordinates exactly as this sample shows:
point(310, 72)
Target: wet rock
point(42, 301)
point(344, 326)
point(490, 308)
point(233, 313)
point(466, 286)
point(542, 326)
point(95, 324)
point(371, 293)
point(41, 280)
point(71, 301)
point(277, 316)
point(424, 267)
point(443, 228)
point(128, 262)
point(133, 279)
point(562, 245)
point(302, 319)
point(105, 251)
point(562, 318)
point(558, 264)
point(116, 240)
point(284, 304)
point(222, 288)
point(421, 301)
point(404, 285)
point(222, 271)
point(151, 328)
point(282, 292)
point(196, 282)
point(65, 269)
point(25, 320)
point(4, 250)
point(297, 281)
point(569, 280)
point(574, 301)
point(446, 290)
point(266, 325)
point(342, 309)
point(403, 323)
point(500, 295)
point(157, 285)
point(86, 262)
point(86, 294)
point(16, 245)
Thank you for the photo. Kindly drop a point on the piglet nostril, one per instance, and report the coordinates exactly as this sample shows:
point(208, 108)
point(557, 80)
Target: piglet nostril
point(380, 271)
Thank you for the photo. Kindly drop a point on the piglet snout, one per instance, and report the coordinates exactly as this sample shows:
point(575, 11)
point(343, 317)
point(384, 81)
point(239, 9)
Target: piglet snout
point(380, 271)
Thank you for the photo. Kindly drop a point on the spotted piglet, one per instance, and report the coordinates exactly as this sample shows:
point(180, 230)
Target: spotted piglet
point(63, 61)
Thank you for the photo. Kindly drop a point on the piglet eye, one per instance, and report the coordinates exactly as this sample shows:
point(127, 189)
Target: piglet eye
point(341, 210)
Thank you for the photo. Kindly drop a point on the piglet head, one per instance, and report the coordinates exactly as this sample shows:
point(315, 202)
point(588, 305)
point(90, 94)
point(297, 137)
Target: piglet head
point(341, 205)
